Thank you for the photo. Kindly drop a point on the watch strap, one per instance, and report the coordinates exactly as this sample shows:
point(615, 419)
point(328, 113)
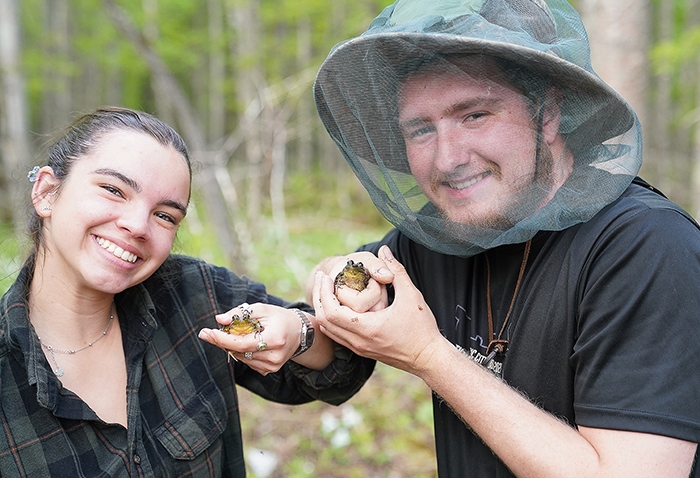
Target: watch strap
point(307, 333)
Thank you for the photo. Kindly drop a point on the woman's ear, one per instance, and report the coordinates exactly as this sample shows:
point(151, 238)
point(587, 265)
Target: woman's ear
point(44, 191)
point(552, 114)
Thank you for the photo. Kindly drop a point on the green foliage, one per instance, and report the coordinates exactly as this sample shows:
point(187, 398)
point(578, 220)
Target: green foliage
point(319, 226)
point(672, 55)
point(89, 60)
point(675, 59)
point(11, 257)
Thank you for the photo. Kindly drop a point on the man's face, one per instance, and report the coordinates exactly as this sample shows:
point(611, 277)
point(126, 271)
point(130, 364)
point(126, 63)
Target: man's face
point(471, 142)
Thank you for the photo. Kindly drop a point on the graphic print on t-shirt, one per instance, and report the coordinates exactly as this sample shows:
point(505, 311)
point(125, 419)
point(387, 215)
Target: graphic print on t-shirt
point(477, 344)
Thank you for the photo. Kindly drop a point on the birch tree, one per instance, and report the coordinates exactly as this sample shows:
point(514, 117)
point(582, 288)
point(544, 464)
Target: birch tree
point(619, 33)
point(14, 144)
point(191, 125)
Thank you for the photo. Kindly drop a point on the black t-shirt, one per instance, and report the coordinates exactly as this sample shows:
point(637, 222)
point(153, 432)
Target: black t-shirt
point(604, 331)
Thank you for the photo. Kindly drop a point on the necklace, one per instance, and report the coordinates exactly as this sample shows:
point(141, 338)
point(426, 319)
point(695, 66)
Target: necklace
point(59, 371)
point(498, 345)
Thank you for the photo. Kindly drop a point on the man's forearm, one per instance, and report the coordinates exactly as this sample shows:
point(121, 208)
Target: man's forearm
point(534, 443)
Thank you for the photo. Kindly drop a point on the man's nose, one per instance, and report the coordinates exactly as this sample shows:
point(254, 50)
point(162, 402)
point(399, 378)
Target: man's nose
point(451, 150)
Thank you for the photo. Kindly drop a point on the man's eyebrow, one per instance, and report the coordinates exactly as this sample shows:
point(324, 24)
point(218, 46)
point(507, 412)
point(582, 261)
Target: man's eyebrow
point(413, 122)
point(480, 101)
point(462, 105)
point(137, 187)
point(123, 178)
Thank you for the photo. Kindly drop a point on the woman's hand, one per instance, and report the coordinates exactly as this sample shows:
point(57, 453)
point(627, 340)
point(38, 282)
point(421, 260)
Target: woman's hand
point(269, 349)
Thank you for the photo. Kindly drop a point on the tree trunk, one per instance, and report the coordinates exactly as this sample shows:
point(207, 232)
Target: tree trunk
point(695, 118)
point(619, 34)
point(278, 127)
point(217, 72)
point(164, 108)
point(57, 101)
point(192, 131)
point(14, 144)
point(243, 18)
point(659, 159)
point(332, 156)
point(305, 108)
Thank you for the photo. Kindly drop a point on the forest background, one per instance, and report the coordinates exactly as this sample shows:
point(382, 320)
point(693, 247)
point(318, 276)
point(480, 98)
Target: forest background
point(272, 195)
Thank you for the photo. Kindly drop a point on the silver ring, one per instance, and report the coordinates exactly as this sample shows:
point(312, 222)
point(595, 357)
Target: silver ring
point(248, 355)
point(261, 346)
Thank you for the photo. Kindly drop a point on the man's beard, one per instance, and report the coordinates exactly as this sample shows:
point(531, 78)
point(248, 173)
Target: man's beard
point(530, 196)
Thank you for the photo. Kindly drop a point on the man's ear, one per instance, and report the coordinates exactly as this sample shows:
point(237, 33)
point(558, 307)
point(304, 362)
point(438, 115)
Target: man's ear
point(552, 114)
point(44, 189)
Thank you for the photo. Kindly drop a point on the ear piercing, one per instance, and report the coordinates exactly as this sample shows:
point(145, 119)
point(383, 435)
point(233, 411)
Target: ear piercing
point(46, 208)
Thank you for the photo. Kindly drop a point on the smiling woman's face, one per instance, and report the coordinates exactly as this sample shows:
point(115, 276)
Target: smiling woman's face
point(113, 222)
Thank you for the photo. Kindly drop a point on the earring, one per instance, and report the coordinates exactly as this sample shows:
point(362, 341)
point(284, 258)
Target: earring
point(46, 208)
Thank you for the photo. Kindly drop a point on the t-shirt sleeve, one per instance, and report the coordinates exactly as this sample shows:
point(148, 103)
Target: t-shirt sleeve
point(636, 356)
point(390, 239)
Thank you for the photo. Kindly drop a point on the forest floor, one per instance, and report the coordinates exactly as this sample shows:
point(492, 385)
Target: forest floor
point(385, 431)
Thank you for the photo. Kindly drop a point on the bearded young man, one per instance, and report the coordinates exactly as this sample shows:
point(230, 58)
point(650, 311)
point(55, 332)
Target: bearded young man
point(545, 294)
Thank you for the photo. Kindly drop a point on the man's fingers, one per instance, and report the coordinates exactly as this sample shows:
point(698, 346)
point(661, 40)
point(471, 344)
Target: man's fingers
point(397, 269)
point(330, 314)
point(326, 290)
point(374, 265)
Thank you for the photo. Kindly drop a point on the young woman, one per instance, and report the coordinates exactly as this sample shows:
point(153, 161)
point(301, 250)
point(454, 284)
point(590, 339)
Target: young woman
point(104, 369)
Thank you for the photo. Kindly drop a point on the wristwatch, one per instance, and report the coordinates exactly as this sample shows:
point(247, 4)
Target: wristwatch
point(307, 334)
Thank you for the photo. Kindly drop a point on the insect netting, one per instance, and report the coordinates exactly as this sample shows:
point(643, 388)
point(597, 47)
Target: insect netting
point(477, 123)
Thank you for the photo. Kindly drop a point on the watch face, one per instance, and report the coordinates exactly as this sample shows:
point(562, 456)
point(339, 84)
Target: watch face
point(308, 334)
point(304, 334)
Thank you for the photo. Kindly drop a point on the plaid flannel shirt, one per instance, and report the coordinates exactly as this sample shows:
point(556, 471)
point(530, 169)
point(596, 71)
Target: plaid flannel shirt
point(182, 407)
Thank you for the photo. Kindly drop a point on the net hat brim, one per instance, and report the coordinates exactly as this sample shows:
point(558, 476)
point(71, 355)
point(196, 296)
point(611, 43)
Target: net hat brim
point(592, 112)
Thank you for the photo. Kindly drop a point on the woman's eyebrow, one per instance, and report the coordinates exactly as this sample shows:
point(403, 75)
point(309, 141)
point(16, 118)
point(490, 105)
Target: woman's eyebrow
point(123, 178)
point(176, 205)
point(137, 187)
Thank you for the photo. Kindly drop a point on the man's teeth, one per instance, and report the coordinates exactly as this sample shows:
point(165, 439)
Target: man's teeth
point(467, 183)
point(116, 250)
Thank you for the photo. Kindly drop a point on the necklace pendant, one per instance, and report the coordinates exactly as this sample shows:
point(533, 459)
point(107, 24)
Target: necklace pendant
point(59, 372)
point(497, 346)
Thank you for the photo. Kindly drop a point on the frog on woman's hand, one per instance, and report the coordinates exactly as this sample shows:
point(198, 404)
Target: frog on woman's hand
point(243, 325)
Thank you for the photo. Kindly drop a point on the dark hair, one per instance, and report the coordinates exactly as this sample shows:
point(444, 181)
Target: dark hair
point(531, 84)
point(81, 137)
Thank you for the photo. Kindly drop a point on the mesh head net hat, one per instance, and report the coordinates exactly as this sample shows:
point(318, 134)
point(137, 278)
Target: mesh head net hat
point(478, 123)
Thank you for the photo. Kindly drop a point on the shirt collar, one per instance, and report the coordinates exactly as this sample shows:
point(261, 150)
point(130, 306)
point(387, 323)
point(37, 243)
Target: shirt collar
point(136, 311)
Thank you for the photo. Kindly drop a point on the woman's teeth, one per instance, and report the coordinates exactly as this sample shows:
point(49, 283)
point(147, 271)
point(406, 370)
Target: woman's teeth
point(116, 250)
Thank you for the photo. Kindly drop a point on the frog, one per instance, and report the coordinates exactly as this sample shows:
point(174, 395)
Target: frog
point(353, 275)
point(242, 326)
